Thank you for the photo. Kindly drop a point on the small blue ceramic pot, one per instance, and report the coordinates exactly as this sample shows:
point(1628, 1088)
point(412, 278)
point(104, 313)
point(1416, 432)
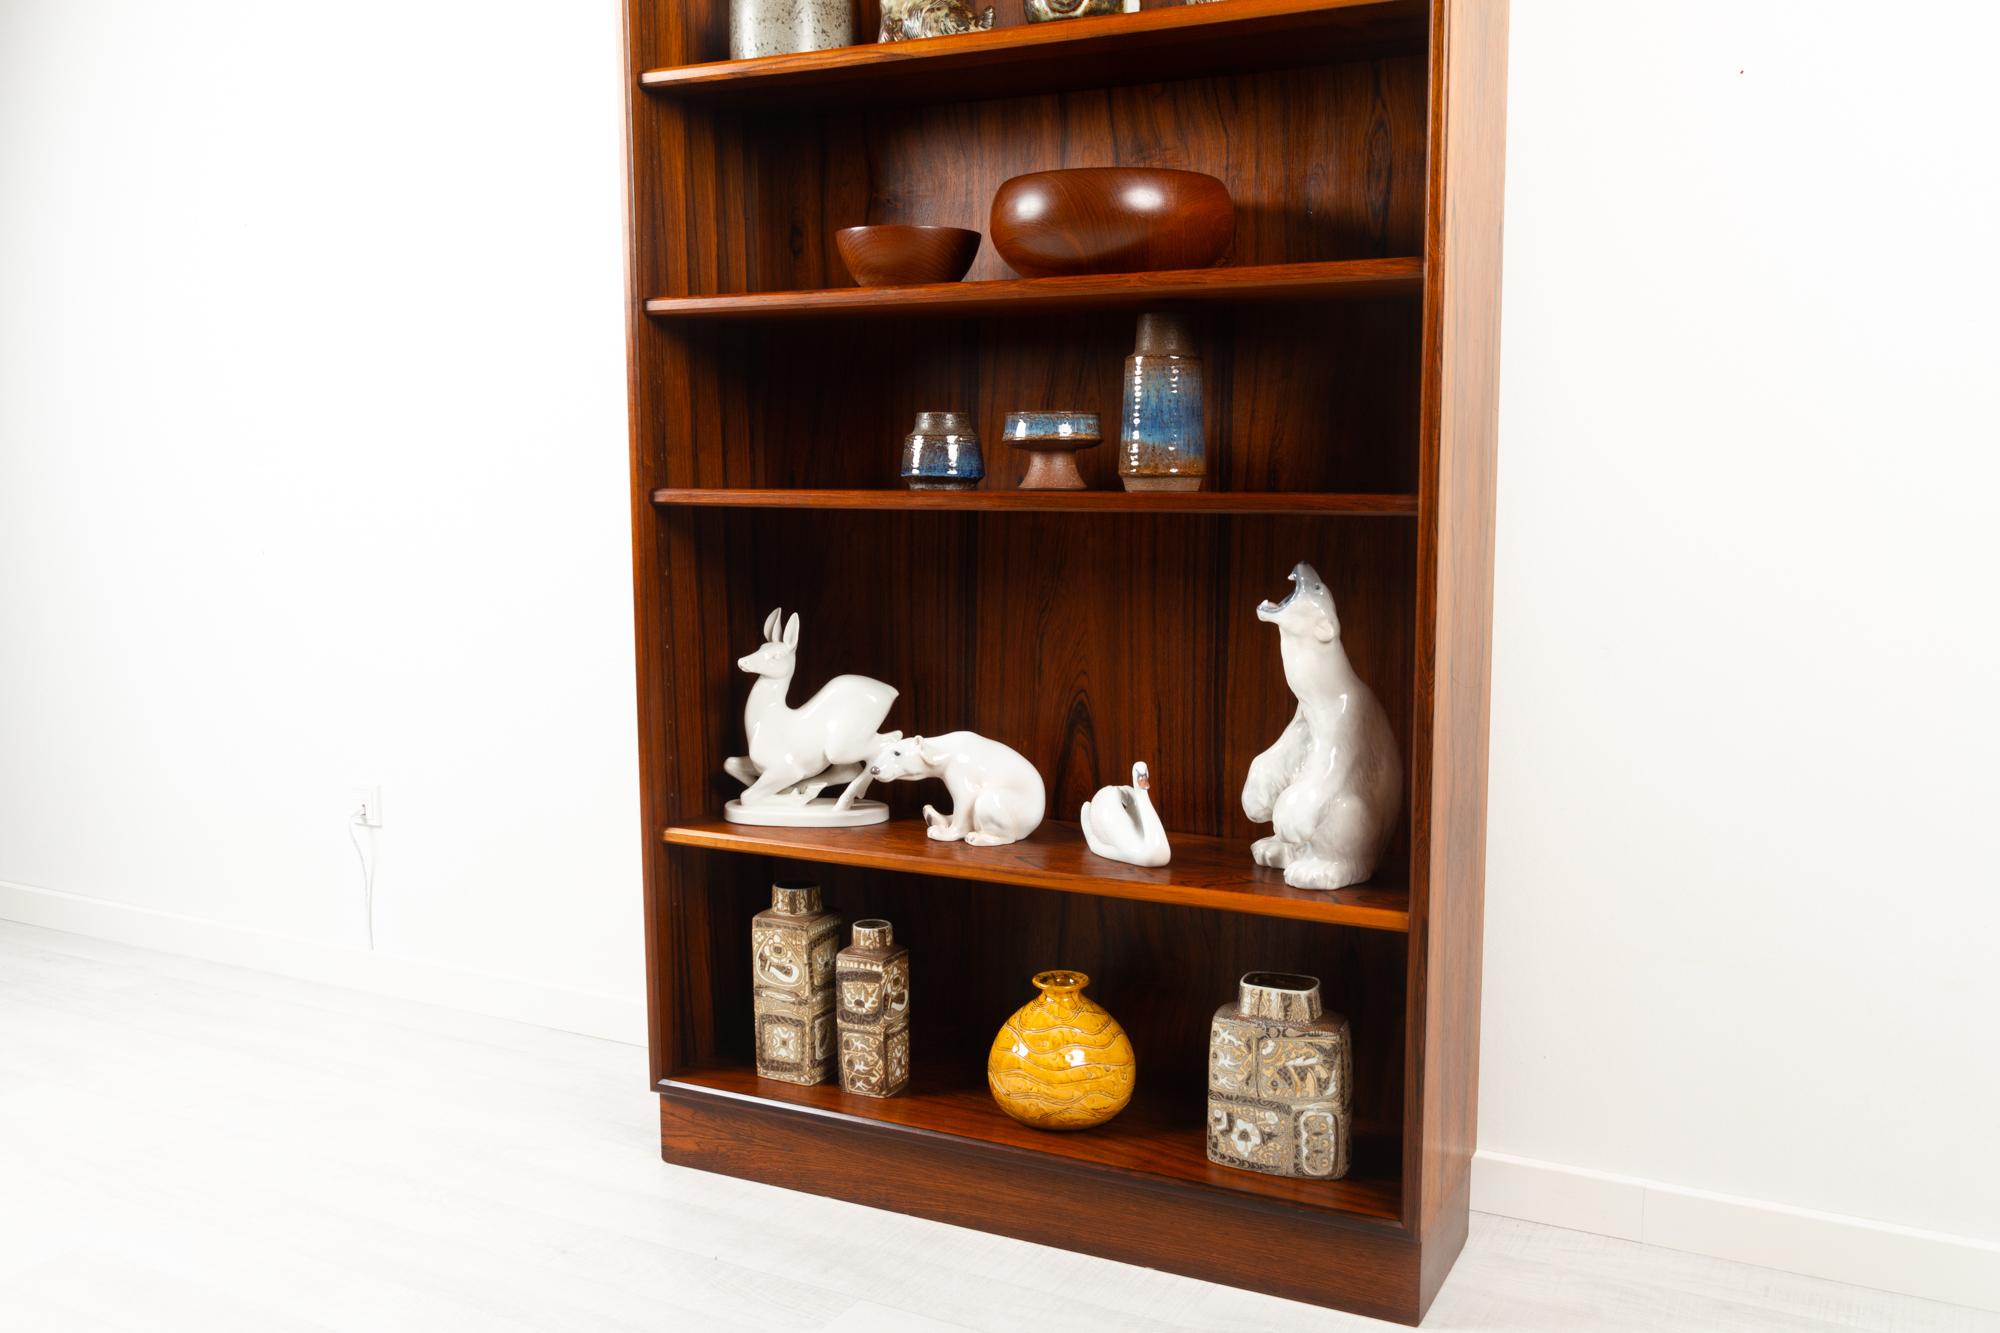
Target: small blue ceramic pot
point(942, 453)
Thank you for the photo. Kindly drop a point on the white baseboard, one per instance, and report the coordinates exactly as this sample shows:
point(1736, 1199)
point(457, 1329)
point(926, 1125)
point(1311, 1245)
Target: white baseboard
point(608, 1016)
point(1929, 1264)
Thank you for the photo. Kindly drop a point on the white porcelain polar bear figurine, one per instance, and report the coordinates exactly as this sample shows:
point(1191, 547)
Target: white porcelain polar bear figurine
point(1332, 786)
point(996, 795)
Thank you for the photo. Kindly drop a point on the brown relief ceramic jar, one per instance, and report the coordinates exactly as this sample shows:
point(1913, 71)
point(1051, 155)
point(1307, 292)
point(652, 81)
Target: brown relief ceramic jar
point(792, 948)
point(872, 981)
point(1279, 1080)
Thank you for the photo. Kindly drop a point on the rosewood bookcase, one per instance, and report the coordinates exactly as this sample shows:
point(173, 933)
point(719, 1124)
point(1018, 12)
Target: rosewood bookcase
point(1350, 348)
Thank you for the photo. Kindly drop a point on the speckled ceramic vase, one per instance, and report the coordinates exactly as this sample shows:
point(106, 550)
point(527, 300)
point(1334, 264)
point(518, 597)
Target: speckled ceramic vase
point(872, 979)
point(1161, 446)
point(1062, 1062)
point(792, 948)
point(775, 27)
point(1279, 1080)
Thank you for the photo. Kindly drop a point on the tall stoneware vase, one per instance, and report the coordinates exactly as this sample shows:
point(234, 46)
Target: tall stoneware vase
point(792, 948)
point(1161, 445)
point(873, 977)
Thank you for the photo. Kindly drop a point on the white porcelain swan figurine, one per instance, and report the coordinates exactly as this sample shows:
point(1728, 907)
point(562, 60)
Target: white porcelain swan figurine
point(1120, 823)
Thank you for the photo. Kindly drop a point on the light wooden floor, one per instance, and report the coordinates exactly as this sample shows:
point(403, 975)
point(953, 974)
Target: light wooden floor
point(188, 1146)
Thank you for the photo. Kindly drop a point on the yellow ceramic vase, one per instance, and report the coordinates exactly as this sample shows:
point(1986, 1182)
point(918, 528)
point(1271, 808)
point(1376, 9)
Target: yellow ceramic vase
point(1062, 1062)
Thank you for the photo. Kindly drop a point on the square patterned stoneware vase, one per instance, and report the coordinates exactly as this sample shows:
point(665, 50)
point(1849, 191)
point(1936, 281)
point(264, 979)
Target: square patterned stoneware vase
point(792, 949)
point(1279, 1081)
point(873, 981)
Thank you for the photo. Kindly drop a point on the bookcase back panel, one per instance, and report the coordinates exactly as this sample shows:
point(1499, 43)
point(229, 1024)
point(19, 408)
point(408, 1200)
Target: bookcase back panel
point(1161, 971)
point(1356, 129)
point(1086, 642)
point(1298, 398)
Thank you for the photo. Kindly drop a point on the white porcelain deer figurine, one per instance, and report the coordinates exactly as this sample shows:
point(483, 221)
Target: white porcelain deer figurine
point(795, 753)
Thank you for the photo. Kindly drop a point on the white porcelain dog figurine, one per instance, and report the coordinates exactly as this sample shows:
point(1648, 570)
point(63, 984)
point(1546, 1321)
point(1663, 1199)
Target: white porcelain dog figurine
point(1120, 824)
point(795, 753)
point(996, 795)
point(1333, 784)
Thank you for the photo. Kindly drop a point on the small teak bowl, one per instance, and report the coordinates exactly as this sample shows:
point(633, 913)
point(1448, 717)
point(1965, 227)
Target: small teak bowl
point(895, 255)
point(1111, 220)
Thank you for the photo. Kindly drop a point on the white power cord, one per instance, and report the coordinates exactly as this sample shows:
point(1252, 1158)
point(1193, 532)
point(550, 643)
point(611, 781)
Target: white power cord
point(355, 823)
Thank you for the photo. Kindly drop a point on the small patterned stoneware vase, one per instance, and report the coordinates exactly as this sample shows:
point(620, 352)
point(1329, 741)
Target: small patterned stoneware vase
point(1062, 1062)
point(872, 977)
point(1279, 1080)
point(942, 453)
point(1160, 441)
point(903, 20)
point(778, 27)
point(792, 950)
point(1042, 11)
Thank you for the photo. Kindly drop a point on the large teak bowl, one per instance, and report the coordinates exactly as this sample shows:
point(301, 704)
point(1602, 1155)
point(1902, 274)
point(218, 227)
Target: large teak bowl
point(1111, 220)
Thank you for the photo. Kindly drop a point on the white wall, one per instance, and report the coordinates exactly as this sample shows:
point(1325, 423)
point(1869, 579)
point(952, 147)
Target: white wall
point(313, 472)
point(1741, 903)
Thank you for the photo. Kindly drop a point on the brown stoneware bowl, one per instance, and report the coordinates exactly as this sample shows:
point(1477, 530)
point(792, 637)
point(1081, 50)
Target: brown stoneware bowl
point(1111, 220)
point(896, 256)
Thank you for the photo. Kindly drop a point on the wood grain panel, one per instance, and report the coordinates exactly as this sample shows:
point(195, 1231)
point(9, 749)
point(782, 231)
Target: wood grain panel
point(1336, 1261)
point(1157, 1137)
point(1454, 614)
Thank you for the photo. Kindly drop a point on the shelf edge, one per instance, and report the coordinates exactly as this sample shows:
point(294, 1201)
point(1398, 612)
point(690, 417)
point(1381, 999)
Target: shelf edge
point(675, 1087)
point(1323, 280)
point(1326, 910)
point(1220, 503)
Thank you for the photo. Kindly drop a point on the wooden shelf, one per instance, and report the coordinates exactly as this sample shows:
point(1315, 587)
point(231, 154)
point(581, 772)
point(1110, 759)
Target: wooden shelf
point(1045, 502)
point(1330, 280)
point(1157, 44)
point(1214, 873)
point(1158, 1136)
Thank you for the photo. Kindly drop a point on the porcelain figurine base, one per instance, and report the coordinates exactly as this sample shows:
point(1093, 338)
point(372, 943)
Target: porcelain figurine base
point(821, 812)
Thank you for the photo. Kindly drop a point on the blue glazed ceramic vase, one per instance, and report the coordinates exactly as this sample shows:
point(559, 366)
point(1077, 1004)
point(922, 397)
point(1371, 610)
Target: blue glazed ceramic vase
point(1160, 443)
point(942, 453)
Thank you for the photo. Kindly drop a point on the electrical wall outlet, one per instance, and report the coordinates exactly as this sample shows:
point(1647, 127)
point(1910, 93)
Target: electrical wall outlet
point(364, 806)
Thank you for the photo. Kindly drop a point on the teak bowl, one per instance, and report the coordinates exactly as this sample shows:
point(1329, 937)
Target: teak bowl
point(893, 255)
point(1111, 220)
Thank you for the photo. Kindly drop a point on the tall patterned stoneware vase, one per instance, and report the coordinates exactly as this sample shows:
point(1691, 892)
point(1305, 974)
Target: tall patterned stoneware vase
point(1279, 1080)
point(873, 982)
point(792, 949)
